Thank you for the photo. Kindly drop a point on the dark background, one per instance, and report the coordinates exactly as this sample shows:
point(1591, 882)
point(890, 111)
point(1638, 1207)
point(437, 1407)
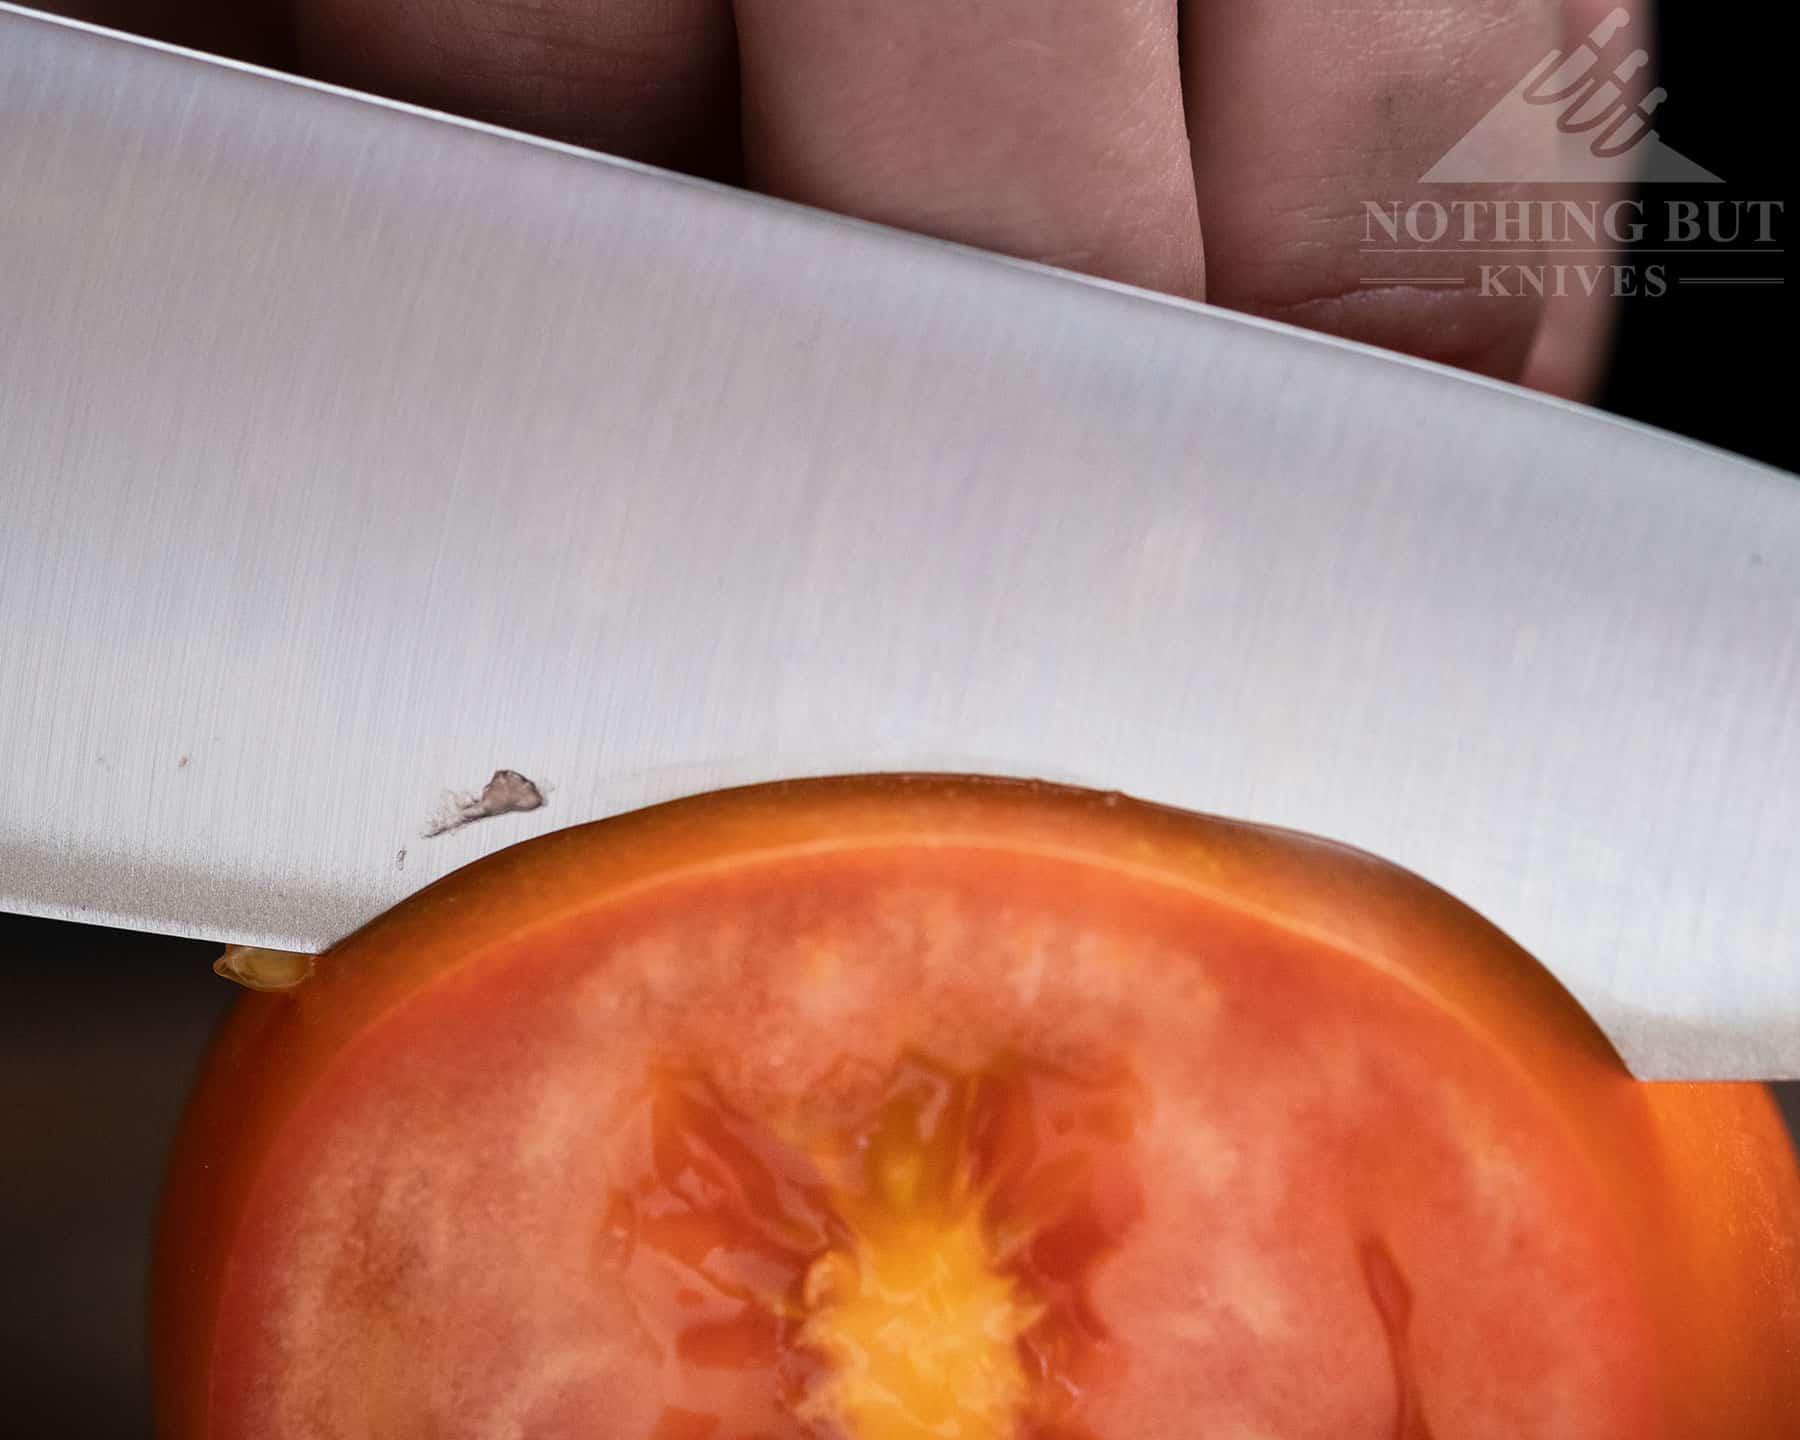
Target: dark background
point(1718, 363)
point(101, 1030)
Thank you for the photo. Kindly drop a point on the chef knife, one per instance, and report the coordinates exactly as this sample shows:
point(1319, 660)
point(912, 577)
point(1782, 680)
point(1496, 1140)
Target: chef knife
point(379, 489)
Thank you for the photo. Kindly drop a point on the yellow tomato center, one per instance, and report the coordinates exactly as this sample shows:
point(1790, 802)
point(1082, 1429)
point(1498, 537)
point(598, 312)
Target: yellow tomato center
point(918, 1273)
point(918, 1327)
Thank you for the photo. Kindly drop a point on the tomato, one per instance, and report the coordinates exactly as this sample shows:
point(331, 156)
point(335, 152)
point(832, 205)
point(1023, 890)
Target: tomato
point(899, 1107)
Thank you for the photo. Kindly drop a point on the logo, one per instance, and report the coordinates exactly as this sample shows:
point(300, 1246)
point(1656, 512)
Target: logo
point(1582, 119)
point(1601, 130)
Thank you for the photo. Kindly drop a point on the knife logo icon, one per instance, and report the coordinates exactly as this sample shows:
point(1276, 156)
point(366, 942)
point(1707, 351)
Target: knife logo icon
point(1600, 128)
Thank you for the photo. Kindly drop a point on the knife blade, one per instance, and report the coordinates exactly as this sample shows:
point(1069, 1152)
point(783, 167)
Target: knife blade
point(353, 458)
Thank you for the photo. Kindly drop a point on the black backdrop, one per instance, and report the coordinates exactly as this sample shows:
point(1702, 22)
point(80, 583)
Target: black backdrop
point(100, 1030)
point(1717, 363)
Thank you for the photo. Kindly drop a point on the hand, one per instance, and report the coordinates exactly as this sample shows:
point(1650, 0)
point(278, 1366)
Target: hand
point(1219, 149)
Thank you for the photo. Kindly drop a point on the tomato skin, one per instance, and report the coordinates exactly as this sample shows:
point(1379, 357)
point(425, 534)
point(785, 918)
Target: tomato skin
point(1700, 1180)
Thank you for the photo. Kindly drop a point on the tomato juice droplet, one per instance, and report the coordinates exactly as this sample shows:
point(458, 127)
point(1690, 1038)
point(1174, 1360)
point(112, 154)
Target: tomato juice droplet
point(920, 1271)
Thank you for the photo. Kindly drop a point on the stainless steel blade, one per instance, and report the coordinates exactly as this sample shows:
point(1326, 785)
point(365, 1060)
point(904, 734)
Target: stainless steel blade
point(349, 454)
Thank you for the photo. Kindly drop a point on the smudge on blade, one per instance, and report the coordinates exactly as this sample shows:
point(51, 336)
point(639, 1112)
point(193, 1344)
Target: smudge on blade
point(508, 793)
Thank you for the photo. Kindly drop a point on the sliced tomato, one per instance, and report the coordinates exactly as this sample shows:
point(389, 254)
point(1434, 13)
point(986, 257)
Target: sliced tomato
point(896, 1108)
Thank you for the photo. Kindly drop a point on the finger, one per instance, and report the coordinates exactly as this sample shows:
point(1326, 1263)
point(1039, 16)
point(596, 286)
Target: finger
point(1303, 114)
point(1050, 129)
point(655, 80)
point(1573, 348)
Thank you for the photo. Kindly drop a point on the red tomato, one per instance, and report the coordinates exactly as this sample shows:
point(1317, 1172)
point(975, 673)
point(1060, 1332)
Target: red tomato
point(913, 1107)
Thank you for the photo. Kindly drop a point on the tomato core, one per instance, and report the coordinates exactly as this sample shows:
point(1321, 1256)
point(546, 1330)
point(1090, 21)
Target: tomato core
point(919, 1271)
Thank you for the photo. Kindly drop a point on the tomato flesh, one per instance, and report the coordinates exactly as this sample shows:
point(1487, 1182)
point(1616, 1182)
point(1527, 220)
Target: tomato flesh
point(960, 1133)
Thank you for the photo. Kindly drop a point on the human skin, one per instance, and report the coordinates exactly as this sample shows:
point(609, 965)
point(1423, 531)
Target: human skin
point(1219, 151)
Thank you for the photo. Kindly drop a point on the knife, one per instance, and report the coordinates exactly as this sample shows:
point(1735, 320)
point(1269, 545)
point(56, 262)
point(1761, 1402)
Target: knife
point(379, 489)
